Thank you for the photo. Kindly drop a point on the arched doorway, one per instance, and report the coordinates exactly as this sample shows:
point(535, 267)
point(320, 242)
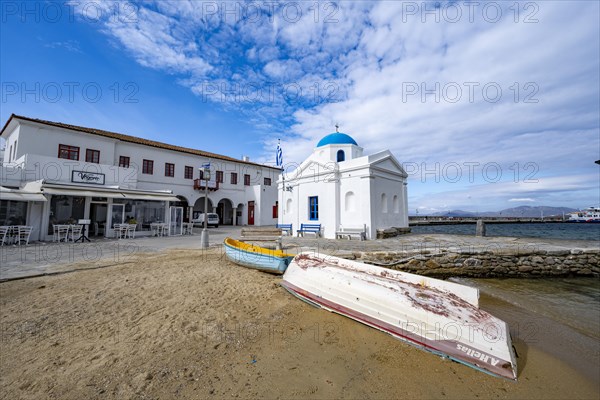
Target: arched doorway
point(199, 207)
point(225, 211)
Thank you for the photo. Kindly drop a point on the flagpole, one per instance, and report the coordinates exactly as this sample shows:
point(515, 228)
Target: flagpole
point(279, 162)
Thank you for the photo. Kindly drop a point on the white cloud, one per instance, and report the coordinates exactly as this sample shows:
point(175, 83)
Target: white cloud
point(280, 69)
point(69, 45)
point(557, 191)
point(523, 200)
point(356, 64)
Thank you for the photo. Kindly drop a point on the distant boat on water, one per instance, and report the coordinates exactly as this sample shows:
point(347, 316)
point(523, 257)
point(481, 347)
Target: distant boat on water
point(591, 214)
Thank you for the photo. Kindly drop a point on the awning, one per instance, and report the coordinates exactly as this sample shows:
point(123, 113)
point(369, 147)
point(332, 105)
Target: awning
point(19, 195)
point(156, 197)
point(83, 193)
point(115, 194)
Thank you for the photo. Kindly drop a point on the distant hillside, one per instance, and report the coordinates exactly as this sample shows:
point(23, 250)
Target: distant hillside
point(521, 211)
point(455, 213)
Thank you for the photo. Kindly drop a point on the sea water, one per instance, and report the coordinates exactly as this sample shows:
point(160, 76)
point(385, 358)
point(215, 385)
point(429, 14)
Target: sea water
point(559, 316)
point(558, 230)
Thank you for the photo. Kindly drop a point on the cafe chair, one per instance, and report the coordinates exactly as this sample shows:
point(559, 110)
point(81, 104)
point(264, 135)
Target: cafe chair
point(3, 234)
point(62, 233)
point(23, 234)
point(75, 232)
point(130, 232)
point(55, 237)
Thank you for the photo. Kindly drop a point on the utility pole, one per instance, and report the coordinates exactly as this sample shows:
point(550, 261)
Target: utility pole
point(205, 172)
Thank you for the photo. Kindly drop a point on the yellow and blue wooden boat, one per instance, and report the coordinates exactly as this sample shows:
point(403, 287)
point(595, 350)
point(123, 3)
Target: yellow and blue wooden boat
point(248, 255)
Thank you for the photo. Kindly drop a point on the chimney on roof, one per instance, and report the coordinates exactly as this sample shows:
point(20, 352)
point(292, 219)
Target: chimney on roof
point(245, 158)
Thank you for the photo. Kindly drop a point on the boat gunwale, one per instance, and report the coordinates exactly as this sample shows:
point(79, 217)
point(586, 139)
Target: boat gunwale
point(467, 293)
point(255, 250)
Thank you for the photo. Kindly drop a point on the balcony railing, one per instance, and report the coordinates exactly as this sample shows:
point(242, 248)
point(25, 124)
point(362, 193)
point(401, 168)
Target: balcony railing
point(199, 184)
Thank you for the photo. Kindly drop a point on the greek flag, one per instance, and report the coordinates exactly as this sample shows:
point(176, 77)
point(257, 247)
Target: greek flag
point(279, 156)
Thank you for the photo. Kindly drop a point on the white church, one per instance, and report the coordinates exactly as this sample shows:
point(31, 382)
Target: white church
point(340, 188)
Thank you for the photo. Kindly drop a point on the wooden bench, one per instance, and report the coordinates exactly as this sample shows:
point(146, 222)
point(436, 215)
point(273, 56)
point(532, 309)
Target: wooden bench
point(310, 228)
point(287, 228)
point(268, 234)
point(350, 231)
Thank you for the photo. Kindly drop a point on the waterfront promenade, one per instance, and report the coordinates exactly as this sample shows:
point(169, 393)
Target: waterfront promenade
point(425, 221)
point(48, 258)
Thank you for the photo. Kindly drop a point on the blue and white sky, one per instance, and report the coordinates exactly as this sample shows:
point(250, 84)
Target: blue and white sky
point(489, 105)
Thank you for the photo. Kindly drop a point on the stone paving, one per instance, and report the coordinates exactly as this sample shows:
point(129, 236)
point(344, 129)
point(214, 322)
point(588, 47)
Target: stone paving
point(42, 258)
point(49, 258)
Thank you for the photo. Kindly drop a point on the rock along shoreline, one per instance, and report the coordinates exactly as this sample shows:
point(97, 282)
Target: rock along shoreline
point(489, 264)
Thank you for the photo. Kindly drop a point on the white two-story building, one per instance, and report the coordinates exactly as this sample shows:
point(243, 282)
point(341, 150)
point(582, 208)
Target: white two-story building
point(55, 173)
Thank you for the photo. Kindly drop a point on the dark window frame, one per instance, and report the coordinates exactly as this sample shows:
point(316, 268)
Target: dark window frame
point(188, 172)
point(219, 177)
point(233, 178)
point(148, 167)
point(91, 154)
point(267, 181)
point(122, 162)
point(170, 170)
point(313, 208)
point(246, 179)
point(68, 149)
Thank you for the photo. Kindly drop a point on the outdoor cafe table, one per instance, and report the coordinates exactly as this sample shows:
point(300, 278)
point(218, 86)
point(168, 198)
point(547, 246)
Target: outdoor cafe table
point(83, 237)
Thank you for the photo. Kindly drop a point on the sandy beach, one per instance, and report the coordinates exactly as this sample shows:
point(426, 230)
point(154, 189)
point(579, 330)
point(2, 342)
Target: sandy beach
point(190, 324)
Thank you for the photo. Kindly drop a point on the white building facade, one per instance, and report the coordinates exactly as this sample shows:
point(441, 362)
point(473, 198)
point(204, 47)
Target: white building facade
point(339, 187)
point(54, 173)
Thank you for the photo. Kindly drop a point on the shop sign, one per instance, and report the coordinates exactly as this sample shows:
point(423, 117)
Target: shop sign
point(94, 178)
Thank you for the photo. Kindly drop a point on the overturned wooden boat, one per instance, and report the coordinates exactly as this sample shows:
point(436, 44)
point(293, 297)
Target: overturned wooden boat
point(248, 255)
point(438, 316)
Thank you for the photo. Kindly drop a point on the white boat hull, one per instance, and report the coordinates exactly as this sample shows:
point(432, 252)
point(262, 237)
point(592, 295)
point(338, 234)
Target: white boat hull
point(438, 316)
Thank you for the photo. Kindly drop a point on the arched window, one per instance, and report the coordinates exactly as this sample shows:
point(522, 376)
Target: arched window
point(350, 202)
point(288, 206)
point(384, 205)
point(396, 204)
point(341, 156)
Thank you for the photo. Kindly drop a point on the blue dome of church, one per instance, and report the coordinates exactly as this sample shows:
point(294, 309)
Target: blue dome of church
point(336, 138)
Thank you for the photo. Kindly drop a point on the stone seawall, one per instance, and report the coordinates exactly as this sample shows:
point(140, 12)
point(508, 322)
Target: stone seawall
point(489, 264)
